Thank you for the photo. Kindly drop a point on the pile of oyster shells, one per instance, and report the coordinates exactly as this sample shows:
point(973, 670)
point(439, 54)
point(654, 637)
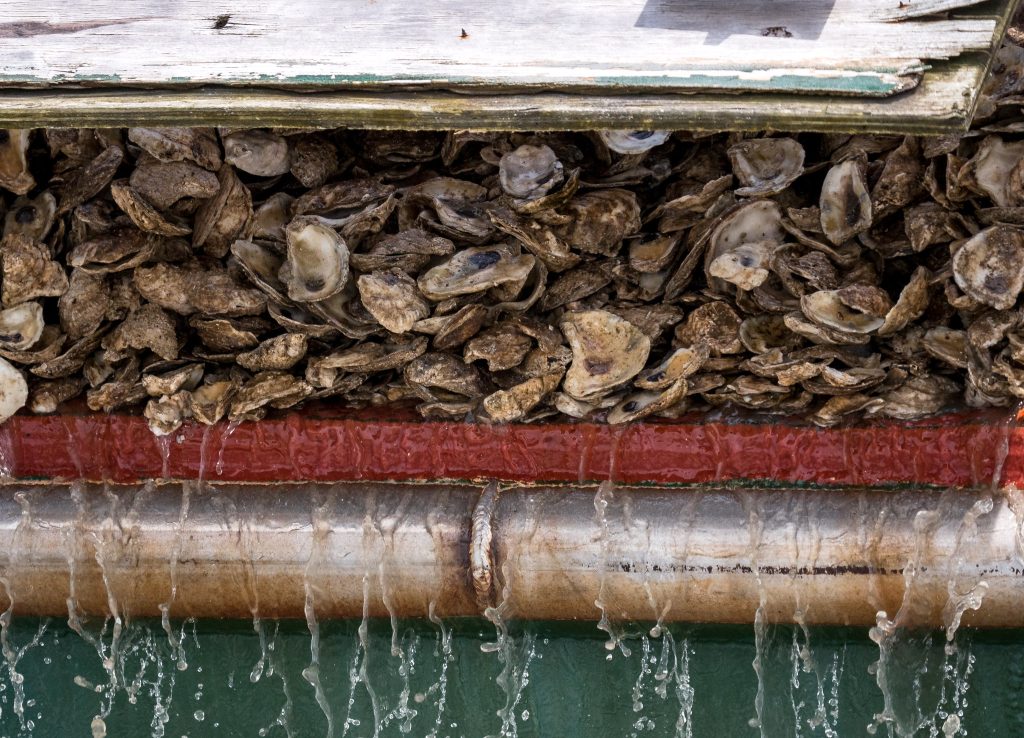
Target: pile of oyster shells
point(204, 274)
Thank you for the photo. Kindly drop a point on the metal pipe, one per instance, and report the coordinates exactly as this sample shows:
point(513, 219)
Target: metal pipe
point(713, 555)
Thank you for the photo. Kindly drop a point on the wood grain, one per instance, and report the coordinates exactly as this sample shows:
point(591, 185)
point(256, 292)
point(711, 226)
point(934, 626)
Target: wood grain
point(839, 46)
point(53, 56)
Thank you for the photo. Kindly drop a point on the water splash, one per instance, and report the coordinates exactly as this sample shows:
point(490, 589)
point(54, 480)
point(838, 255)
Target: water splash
point(886, 631)
point(12, 655)
point(602, 498)
point(684, 690)
point(284, 717)
point(445, 653)
point(515, 660)
point(359, 670)
point(174, 640)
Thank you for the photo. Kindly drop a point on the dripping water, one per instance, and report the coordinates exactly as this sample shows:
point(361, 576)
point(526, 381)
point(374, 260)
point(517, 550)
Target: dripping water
point(445, 653)
point(321, 530)
point(755, 530)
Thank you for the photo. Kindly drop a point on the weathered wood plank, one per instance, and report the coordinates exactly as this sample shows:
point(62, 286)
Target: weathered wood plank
point(906, 9)
point(835, 46)
point(942, 103)
point(944, 100)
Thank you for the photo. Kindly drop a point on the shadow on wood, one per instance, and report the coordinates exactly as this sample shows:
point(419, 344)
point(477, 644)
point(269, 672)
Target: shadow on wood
point(786, 19)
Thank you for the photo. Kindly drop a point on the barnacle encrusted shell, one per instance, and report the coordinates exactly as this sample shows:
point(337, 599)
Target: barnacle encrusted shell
point(607, 352)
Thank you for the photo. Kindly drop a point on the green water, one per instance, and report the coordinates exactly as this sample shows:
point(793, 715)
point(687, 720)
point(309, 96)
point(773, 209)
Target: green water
point(692, 681)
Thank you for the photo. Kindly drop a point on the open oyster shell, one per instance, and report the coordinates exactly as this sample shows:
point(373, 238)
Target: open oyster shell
point(607, 352)
point(316, 267)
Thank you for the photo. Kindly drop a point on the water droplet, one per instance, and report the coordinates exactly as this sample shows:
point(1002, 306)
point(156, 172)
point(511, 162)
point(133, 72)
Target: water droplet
point(98, 727)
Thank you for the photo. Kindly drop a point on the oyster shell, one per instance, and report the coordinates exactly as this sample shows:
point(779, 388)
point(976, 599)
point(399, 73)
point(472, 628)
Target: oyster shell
point(639, 405)
point(91, 179)
point(436, 371)
point(46, 397)
point(144, 215)
point(278, 353)
point(185, 377)
point(225, 217)
point(266, 388)
point(475, 270)
point(607, 352)
point(28, 271)
point(316, 267)
point(164, 183)
point(529, 172)
point(14, 174)
point(194, 288)
point(392, 298)
point(766, 166)
point(314, 159)
point(845, 204)
point(516, 402)
point(209, 403)
point(990, 171)
point(633, 142)
point(13, 390)
point(502, 346)
point(600, 220)
point(681, 363)
point(828, 308)
point(166, 414)
point(197, 145)
point(21, 326)
point(714, 324)
point(752, 230)
point(124, 248)
point(31, 217)
point(990, 266)
point(261, 153)
point(148, 327)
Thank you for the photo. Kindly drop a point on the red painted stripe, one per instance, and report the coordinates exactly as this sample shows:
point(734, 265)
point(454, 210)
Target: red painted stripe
point(319, 445)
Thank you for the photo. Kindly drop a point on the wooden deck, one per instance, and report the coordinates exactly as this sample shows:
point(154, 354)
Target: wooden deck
point(846, 64)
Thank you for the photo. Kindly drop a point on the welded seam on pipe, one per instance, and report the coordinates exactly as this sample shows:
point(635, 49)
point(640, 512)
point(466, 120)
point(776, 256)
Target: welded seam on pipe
point(481, 547)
